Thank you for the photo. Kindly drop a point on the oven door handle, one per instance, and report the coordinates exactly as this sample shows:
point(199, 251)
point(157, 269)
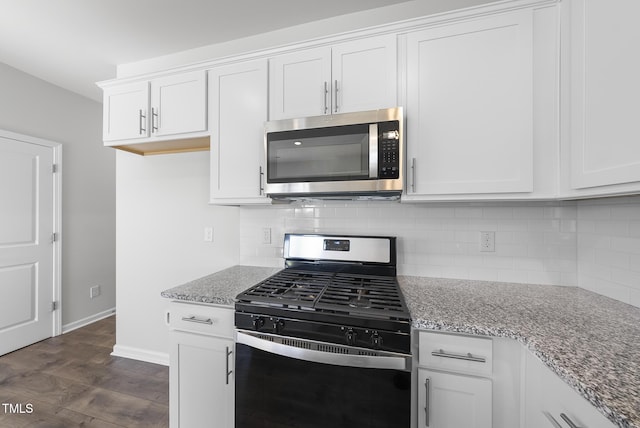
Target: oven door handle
point(362, 361)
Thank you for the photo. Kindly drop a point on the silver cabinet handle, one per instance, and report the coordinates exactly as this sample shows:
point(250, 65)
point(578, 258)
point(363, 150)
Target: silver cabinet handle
point(326, 92)
point(413, 175)
point(260, 186)
point(568, 421)
point(335, 94)
point(193, 318)
point(427, 384)
point(466, 357)
point(552, 420)
point(141, 118)
point(154, 120)
point(228, 371)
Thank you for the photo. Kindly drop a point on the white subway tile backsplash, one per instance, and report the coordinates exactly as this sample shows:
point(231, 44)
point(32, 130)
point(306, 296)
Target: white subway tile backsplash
point(594, 244)
point(483, 274)
point(498, 212)
point(438, 239)
point(468, 212)
point(608, 247)
point(598, 212)
point(528, 212)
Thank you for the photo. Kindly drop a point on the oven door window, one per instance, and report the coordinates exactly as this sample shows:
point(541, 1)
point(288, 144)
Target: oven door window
point(322, 154)
point(276, 391)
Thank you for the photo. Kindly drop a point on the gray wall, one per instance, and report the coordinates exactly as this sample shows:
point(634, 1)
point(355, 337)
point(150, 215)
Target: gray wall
point(33, 107)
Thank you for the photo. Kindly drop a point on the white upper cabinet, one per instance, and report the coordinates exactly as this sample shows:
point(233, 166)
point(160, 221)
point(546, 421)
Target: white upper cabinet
point(604, 136)
point(238, 95)
point(481, 107)
point(135, 115)
point(125, 109)
point(351, 76)
point(179, 104)
point(299, 84)
point(364, 74)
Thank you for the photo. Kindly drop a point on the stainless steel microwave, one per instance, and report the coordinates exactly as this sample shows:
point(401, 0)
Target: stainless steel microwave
point(342, 156)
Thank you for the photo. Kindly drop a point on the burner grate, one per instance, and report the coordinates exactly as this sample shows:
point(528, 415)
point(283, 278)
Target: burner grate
point(330, 292)
point(290, 287)
point(362, 294)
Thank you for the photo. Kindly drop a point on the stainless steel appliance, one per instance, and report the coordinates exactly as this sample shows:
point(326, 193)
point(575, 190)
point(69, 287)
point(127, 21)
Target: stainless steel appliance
point(325, 342)
point(349, 155)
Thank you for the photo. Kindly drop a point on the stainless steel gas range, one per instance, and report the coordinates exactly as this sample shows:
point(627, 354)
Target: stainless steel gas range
point(325, 342)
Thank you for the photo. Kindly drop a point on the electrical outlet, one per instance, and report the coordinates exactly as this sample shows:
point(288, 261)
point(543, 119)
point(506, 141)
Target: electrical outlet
point(208, 234)
point(487, 241)
point(266, 235)
point(94, 291)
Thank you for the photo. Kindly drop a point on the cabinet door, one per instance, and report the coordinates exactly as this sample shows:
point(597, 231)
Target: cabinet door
point(364, 74)
point(179, 104)
point(451, 401)
point(604, 93)
point(201, 381)
point(547, 398)
point(238, 95)
point(125, 115)
point(469, 106)
point(300, 84)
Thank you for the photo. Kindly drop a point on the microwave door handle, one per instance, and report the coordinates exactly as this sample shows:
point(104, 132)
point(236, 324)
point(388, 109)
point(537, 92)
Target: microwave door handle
point(373, 150)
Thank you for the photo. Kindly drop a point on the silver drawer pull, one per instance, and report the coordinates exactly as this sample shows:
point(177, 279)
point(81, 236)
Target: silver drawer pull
point(552, 420)
point(228, 371)
point(568, 420)
point(193, 318)
point(427, 384)
point(466, 357)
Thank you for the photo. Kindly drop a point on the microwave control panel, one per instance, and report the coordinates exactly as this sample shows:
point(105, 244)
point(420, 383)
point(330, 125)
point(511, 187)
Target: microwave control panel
point(388, 150)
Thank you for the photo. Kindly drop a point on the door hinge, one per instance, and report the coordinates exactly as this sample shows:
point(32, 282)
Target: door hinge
point(54, 237)
point(54, 306)
point(54, 168)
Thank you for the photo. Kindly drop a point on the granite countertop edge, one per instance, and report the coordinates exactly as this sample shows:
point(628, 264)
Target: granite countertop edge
point(550, 362)
point(222, 287)
point(536, 344)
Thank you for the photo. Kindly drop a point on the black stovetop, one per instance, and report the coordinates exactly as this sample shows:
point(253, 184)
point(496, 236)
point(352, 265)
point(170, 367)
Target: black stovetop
point(330, 292)
point(365, 311)
point(334, 288)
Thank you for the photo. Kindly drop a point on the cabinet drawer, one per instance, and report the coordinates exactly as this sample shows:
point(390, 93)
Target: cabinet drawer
point(458, 353)
point(210, 320)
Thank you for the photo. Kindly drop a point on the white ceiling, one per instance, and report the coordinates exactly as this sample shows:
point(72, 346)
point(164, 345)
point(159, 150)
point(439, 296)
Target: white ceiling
point(75, 43)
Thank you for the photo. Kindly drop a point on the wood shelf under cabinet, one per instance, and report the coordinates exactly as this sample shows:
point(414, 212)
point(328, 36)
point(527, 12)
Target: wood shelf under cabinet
point(165, 147)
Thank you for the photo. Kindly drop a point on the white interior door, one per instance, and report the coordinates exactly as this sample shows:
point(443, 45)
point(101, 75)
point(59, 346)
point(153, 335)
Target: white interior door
point(26, 247)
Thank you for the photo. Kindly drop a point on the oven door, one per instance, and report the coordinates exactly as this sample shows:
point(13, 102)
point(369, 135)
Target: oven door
point(278, 385)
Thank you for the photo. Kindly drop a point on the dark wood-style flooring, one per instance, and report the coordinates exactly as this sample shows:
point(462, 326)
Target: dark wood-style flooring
point(73, 381)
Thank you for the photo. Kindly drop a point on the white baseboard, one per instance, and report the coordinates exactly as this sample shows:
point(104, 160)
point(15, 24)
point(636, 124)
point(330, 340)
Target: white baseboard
point(141, 354)
point(88, 320)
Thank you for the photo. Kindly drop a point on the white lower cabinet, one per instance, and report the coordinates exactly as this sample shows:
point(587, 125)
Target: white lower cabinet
point(449, 400)
point(201, 384)
point(454, 381)
point(550, 403)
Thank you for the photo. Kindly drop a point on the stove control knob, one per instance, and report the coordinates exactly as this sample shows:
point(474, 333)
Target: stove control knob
point(350, 335)
point(376, 340)
point(258, 323)
point(278, 326)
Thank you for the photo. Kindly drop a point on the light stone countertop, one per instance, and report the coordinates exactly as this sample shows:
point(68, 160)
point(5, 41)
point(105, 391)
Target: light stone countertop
point(220, 288)
point(590, 341)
